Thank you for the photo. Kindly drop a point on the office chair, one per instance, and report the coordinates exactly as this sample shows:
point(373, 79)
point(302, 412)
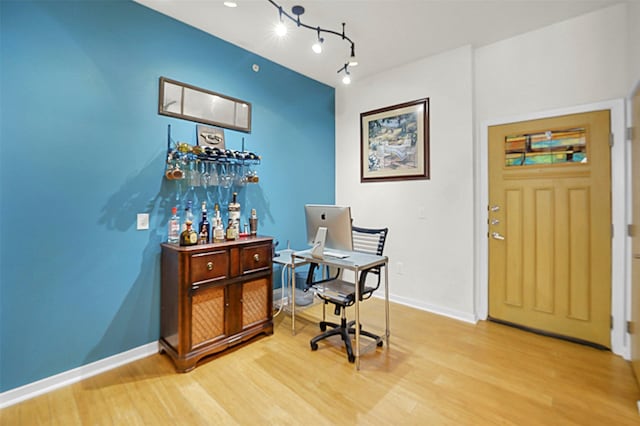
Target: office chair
point(342, 293)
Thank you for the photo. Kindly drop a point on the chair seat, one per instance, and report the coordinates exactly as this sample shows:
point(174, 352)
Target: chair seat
point(339, 292)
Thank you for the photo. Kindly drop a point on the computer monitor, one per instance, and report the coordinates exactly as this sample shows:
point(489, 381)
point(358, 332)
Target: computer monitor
point(337, 220)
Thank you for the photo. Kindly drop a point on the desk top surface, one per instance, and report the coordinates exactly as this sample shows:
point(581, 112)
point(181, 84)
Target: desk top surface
point(284, 258)
point(353, 259)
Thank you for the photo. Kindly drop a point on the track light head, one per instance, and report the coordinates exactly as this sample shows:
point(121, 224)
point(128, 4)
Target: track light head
point(317, 46)
point(281, 29)
point(353, 61)
point(347, 75)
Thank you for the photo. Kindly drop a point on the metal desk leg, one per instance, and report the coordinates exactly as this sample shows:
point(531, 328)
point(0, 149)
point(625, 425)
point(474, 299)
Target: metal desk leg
point(386, 302)
point(293, 297)
point(357, 324)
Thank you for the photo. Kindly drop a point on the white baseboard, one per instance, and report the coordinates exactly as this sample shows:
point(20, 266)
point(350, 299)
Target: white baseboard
point(434, 309)
point(48, 384)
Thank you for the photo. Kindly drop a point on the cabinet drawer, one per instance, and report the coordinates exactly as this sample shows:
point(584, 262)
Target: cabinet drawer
point(209, 266)
point(255, 258)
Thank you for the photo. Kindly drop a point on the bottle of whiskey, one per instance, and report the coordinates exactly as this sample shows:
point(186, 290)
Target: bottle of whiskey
point(174, 227)
point(203, 228)
point(234, 214)
point(218, 230)
point(253, 223)
point(231, 231)
point(189, 237)
point(188, 215)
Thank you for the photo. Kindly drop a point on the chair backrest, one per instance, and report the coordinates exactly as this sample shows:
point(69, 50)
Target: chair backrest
point(365, 240)
point(369, 240)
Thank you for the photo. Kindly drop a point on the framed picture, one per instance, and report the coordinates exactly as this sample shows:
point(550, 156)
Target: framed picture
point(395, 142)
point(210, 136)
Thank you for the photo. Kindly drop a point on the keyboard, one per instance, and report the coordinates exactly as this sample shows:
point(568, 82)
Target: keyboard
point(332, 253)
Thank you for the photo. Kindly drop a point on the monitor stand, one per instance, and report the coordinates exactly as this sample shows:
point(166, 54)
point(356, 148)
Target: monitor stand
point(318, 243)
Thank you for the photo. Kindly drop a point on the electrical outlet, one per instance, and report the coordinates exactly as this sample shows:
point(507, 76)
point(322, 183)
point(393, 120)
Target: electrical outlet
point(143, 221)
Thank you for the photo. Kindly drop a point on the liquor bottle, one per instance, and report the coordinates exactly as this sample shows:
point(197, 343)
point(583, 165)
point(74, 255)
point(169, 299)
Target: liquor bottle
point(189, 237)
point(188, 215)
point(203, 228)
point(253, 223)
point(231, 231)
point(218, 231)
point(174, 227)
point(234, 213)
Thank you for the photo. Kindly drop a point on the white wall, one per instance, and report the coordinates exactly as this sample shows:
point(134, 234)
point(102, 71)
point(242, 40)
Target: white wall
point(575, 62)
point(634, 42)
point(436, 251)
point(579, 61)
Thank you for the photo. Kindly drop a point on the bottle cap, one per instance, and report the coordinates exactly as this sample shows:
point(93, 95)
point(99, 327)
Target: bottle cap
point(174, 210)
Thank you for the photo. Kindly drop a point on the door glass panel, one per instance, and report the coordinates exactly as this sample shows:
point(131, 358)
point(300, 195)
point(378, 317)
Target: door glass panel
point(550, 147)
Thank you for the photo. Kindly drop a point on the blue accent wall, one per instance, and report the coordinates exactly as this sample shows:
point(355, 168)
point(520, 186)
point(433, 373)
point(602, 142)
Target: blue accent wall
point(82, 151)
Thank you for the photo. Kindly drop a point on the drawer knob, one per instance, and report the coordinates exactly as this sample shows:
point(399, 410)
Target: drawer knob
point(256, 257)
point(210, 266)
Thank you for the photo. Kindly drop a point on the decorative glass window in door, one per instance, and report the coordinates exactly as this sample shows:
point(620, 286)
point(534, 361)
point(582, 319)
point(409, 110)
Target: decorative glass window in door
point(549, 147)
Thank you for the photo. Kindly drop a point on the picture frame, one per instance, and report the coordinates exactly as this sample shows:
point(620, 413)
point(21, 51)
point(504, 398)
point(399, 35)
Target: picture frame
point(210, 136)
point(394, 142)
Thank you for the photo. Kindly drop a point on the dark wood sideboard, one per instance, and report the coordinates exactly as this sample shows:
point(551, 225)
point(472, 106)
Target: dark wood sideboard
point(214, 296)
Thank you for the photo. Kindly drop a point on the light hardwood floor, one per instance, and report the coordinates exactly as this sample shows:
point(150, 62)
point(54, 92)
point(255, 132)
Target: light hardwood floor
point(437, 371)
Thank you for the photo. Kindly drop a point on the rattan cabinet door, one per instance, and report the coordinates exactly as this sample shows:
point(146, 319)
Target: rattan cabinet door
point(255, 302)
point(207, 315)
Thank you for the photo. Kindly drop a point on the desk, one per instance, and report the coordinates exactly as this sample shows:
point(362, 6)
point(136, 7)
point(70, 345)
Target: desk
point(289, 263)
point(356, 262)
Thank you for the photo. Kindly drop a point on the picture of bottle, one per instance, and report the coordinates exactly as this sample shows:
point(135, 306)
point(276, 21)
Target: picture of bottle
point(174, 227)
point(189, 237)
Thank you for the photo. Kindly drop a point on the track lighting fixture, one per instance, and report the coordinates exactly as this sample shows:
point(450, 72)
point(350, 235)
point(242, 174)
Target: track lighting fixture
point(296, 12)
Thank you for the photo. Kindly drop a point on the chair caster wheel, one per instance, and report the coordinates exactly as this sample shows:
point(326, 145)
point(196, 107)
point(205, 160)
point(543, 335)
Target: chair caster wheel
point(379, 344)
point(323, 326)
point(314, 346)
point(352, 358)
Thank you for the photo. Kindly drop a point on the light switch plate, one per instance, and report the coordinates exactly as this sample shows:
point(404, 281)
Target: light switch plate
point(143, 221)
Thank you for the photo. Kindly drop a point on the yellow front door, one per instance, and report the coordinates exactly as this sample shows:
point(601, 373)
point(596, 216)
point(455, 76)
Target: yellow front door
point(550, 225)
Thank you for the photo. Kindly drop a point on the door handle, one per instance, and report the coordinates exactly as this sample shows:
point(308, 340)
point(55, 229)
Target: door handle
point(497, 236)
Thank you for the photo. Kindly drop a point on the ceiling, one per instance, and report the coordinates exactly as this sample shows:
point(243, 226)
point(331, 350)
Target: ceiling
point(387, 33)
